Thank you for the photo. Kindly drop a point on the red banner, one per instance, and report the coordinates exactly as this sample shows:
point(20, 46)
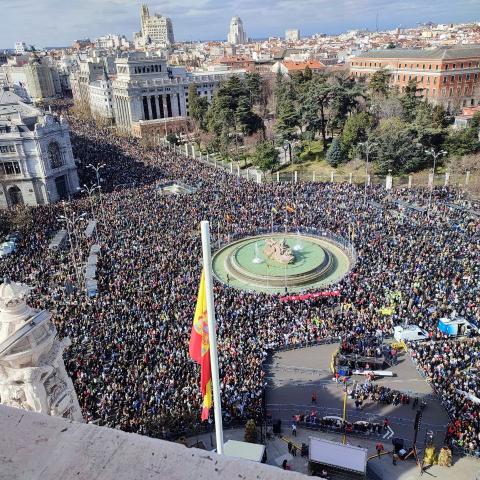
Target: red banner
point(308, 296)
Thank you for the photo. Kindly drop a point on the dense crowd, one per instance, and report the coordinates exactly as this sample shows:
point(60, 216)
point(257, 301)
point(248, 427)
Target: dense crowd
point(129, 357)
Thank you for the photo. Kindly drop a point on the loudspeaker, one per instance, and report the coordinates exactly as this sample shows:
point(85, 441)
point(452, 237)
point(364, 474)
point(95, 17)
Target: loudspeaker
point(277, 427)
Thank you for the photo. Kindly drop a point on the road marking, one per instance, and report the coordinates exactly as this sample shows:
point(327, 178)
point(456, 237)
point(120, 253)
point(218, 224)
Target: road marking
point(389, 433)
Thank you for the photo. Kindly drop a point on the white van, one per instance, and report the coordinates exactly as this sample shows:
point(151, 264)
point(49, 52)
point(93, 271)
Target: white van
point(409, 333)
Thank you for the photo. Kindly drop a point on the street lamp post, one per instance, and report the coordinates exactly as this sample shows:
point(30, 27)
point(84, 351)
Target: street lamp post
point(435, 155)
point(90, 192)
point(368, 146)
point(71, 222)
point(97, 173)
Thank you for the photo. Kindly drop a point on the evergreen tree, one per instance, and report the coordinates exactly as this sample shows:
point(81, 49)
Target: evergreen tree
point(266, 156)
point(378, 83)
point(335, 154)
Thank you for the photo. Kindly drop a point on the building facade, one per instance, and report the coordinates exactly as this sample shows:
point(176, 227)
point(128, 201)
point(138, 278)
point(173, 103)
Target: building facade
point(236, 35)
point(101, 98)
point(150, 96)
point(292, 35)
point(32, 371)
point(36, 158)
point(447, 76)
point(155, 29)
point(34, 79)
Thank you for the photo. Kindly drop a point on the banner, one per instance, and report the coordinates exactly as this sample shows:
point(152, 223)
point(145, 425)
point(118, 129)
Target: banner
point(308, 296)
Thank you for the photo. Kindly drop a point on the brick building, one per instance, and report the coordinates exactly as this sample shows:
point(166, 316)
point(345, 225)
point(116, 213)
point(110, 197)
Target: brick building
point(448, 76)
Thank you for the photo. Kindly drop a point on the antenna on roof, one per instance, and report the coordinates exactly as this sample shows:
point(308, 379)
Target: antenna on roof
point(376, 22)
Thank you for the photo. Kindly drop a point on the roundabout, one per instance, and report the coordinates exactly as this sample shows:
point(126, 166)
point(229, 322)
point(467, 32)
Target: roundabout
point(278, 262)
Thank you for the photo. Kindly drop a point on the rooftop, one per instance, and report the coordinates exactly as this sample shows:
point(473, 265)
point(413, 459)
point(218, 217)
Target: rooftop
point(443, 53)
point(39, 447)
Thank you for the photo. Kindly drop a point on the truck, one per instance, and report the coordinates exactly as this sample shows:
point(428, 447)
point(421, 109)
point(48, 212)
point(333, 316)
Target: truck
point(457, 326)
point(409, 333)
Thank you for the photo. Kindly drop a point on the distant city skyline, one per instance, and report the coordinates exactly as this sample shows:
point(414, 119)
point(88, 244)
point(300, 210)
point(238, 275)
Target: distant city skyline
point(47, 23)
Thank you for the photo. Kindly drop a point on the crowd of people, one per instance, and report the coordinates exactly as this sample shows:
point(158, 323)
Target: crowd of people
point(129, 356)
point(452, 370)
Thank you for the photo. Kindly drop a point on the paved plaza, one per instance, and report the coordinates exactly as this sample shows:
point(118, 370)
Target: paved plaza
point(295, 374)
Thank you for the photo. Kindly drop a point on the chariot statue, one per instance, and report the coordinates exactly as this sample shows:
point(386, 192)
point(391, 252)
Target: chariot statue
point(279, 251)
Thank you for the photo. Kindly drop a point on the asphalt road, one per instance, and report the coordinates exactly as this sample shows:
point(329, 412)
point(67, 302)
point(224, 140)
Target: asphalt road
point(293, 376)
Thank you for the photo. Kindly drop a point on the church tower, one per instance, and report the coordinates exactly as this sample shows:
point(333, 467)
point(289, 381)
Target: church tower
point(32, 371)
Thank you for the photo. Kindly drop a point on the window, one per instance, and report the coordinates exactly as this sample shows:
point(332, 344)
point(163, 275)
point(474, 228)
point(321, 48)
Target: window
point(461, 65)
point(54, 155)
point(7, 149)
point(446, 66)
point(9, 168)
point(468, 76)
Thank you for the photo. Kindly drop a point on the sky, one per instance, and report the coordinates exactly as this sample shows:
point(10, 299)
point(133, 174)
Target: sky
point(59, 22)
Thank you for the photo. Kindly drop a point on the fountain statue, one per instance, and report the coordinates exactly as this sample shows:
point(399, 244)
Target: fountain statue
point(279, 251)
point(257, 258)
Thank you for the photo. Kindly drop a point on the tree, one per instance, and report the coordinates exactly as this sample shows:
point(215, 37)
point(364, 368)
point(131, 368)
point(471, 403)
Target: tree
point(254, 83)
point(462, 141)
point(335, 154)
point(355, 131)
point(379, 81)
point(265, 156)
point(397, 149)
point(410, 100)
point(287, 120)
point(429, 125)
point(197, 107)
point(314, 106)
point(247, 121)
point(250, 432)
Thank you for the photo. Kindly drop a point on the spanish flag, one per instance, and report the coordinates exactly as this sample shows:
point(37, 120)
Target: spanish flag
point(200, 348)
point(289, 209)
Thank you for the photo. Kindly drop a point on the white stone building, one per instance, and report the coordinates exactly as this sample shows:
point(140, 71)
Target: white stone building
point(292, 35)
point(236, 35)
point(36, 158)
point(156, 29)
point(147, 93)
point(101, 98)
point(32, 371)
point(20, 48)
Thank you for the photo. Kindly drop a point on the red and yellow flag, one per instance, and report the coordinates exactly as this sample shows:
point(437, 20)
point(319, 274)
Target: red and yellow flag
point(289, 209)
point(200, 348)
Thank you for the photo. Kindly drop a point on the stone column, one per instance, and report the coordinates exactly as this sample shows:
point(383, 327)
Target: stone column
point(410, 178)
point(165, 109)
point(467, 178)
point(278, 177)
point(157, 107)
point(186, 149)
point(447, 178)
point(369, 180)
point(238, 170)
point(296, 176)
point(350, 178)
point(332, 176)
point(313, 176)
point(259, 177)
point(149, 106)
point(193, 151)
point(231, 167)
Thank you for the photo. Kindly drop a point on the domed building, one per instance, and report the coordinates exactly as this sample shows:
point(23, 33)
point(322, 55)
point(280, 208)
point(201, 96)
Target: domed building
point(32, 371)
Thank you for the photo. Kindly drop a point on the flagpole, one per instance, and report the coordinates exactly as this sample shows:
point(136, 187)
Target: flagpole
point(207, 266)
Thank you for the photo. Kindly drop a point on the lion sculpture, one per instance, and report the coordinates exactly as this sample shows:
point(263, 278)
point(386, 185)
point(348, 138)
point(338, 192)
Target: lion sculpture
point(278, 251)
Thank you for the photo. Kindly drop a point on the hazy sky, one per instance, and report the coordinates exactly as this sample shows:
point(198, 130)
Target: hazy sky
point(60, 22)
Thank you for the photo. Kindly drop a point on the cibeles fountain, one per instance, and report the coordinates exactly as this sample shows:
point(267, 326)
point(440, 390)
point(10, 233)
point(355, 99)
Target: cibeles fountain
point(277, 262)
point(32, 371)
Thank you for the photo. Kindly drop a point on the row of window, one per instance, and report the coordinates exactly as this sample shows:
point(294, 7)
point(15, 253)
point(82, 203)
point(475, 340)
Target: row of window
point(7, 148)
point(418, 65)
point(421, 78)
point(148, 69)
point(9, 168)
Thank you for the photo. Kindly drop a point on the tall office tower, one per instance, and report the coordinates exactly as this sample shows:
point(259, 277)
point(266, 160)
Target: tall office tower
point(237, 34)
point(156, 29)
